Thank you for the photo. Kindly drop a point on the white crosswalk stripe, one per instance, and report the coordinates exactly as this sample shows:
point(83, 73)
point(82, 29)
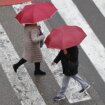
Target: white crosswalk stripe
point(94, 50)
point(100, 5)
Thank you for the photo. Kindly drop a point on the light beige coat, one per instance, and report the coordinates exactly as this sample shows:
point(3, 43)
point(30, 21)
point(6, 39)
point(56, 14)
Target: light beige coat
point(32, 51)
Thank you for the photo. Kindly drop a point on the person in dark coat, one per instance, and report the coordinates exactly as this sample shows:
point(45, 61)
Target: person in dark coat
point(69, 61)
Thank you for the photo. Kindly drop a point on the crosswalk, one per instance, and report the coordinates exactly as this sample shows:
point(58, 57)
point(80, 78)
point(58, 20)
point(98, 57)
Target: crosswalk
point(100, 5)
point(95, 51)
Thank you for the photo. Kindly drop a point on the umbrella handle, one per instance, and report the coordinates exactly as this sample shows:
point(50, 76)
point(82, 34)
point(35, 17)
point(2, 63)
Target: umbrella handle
point(65, 51)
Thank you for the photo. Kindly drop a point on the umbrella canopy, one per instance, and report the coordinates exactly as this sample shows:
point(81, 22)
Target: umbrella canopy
point(64, 37)
point(36, 12)
point(11, 2)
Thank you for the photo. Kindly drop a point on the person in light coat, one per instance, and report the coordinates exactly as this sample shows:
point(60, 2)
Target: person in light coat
point(32, 52)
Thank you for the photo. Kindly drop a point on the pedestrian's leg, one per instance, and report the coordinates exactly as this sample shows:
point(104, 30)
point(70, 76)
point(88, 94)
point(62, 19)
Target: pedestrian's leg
point(60, 94)
point(82, 82)
point(21, 61)
point(37, 69)
point(64, 86)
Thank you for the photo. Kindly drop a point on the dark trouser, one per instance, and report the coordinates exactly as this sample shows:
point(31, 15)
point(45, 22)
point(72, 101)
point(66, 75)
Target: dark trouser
point(22, 61)
point(37, 65)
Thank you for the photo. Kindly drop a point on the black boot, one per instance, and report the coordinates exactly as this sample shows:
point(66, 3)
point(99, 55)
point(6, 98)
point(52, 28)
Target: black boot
point(39, 72)
point(15, 66)
point(37, 69)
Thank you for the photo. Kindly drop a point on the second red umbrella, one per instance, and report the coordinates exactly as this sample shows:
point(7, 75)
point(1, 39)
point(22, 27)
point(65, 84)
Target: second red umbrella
point(36, 12)
point(64, 37)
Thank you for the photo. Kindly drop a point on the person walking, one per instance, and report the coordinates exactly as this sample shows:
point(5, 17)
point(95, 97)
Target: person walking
point(69, 61)
point(32, 52)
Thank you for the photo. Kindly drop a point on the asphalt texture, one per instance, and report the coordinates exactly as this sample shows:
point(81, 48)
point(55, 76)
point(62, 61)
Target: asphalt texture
point(7, 94)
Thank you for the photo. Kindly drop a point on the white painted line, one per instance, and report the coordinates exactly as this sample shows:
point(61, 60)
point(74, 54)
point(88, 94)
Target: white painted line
point(21, 82)
point(91, 45)
point(73, 87)
point(100, 5)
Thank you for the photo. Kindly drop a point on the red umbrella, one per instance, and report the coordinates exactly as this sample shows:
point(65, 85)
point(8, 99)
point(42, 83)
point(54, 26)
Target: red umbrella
point(64, 37)
point(11, 2)
point(36, 12)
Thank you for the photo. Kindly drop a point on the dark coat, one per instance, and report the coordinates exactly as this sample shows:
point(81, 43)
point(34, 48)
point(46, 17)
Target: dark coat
point(69, 61)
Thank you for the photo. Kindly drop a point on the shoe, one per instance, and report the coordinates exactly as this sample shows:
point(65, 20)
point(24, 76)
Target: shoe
point(58, 98)
point(39, 72)
point(15, 67)
point(84, 89)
